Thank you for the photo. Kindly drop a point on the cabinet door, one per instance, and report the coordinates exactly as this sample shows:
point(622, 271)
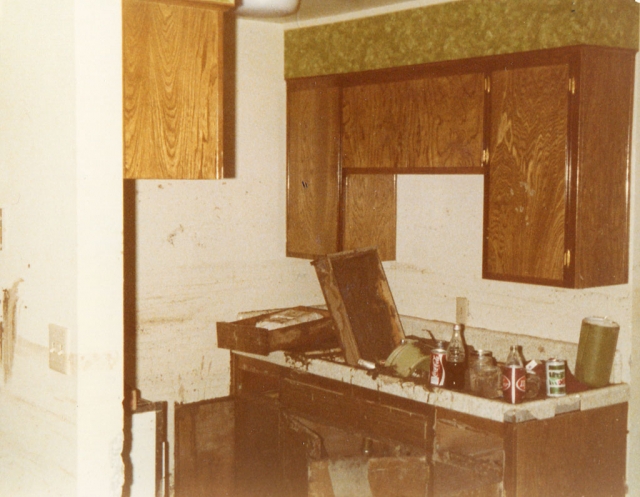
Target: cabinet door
point(313, 144)
point(526, 183)
point(370, 213)
point(172, 55)
point(205, 448)
point(426, 123)
point(228, 446)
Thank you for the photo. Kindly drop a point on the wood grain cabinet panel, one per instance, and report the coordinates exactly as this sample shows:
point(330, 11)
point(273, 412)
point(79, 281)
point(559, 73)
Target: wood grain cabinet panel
point(172, 74)
point(431, 122)
point(542, 458)
point(526, 182)
point(313, 185)
point(370, 213)
point(556, 189)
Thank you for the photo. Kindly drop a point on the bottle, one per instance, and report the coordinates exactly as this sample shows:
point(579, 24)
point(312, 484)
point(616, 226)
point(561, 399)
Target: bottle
point(456, 364)
point(514, 377)
point(485, 377)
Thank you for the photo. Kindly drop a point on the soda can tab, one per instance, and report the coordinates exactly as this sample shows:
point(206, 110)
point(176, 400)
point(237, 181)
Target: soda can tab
point(556, 378)
point(436, 370)
point(514, 383)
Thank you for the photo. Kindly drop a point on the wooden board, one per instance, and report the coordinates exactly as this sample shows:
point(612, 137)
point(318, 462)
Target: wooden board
point(357, 293)
point(247, 335)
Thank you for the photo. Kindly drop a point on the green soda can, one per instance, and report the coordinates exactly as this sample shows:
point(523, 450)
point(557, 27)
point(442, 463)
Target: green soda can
point(556, 378)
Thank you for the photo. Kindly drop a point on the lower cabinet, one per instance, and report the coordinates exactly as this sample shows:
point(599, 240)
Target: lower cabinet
point(288, 433)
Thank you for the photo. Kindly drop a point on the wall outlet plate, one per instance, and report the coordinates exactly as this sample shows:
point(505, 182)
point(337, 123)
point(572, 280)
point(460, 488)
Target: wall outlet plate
point(59, 348)
point(462, 310)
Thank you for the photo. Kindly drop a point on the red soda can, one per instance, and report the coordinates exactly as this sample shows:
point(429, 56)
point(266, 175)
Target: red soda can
point(438, 360)
point(514, 383)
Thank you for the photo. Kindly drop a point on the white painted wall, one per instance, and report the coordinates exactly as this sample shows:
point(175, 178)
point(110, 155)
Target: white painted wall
point(208, 250)
point(61, 196)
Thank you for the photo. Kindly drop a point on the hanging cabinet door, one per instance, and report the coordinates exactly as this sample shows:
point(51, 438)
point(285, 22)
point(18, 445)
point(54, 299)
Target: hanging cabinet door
point(172, 77)
point(556, 189)
point(370, 213)
point(313, 181)
point(424, 123)
point(526, 187)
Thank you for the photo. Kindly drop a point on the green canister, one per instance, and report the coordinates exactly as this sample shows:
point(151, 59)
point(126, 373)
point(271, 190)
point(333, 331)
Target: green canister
point(596, 349)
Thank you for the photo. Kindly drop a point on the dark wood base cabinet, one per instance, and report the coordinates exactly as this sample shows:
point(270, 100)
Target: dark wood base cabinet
point(286, 433)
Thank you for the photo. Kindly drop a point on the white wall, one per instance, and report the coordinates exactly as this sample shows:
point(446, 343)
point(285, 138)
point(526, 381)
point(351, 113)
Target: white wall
point(60, 171)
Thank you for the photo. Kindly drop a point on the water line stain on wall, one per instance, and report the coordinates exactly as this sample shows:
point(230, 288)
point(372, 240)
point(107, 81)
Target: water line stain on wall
point(8, 329)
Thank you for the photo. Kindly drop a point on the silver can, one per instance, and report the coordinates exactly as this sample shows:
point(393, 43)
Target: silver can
point(556, 373)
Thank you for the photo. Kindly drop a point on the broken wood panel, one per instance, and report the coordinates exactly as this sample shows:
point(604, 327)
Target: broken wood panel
point(357, 293)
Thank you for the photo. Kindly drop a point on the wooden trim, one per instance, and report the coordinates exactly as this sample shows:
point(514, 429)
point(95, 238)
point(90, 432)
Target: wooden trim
point(518, 279)
point(483, 64)
point(412, 170)
point(197, 4)
point(571, 168)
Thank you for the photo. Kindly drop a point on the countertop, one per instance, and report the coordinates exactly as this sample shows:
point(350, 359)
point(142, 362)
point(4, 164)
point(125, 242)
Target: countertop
point(493, 409)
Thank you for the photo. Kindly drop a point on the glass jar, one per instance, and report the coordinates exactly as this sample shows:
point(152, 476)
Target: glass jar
point(485, 377)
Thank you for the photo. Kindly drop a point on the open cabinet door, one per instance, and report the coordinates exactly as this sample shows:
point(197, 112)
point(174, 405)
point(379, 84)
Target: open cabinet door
point(205, 448)
point(228, 447)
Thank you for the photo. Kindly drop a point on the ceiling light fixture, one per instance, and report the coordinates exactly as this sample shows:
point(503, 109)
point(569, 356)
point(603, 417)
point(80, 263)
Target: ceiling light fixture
point(266, 8)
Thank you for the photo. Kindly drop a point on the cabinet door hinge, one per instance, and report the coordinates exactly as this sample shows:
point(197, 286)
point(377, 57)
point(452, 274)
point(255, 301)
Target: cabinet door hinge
point(572, 85)
point(487, 84)
point(485, 156)
point(567, 258)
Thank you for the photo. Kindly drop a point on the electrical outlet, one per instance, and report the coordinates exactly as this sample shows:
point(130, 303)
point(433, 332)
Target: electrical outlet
point(59, 348)
point(462, 310)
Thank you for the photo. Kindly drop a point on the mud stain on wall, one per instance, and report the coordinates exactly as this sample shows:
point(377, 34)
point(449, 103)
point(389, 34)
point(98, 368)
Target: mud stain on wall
point(8, 330)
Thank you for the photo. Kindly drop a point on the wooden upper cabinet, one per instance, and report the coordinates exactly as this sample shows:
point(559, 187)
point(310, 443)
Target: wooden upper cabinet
point(172, 53)
point(556, 189)
point(549, 129)
point(313, 176)
point(425, 123)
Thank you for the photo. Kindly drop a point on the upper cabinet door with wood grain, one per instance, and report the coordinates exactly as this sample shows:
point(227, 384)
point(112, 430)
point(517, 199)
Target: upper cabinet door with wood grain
point(172, 55)
point(370, 213)
point(431, 122)
point(526, 187)
point(313, 186)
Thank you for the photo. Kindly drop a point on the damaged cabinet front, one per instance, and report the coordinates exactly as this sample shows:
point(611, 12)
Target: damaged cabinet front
point(287, 432)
